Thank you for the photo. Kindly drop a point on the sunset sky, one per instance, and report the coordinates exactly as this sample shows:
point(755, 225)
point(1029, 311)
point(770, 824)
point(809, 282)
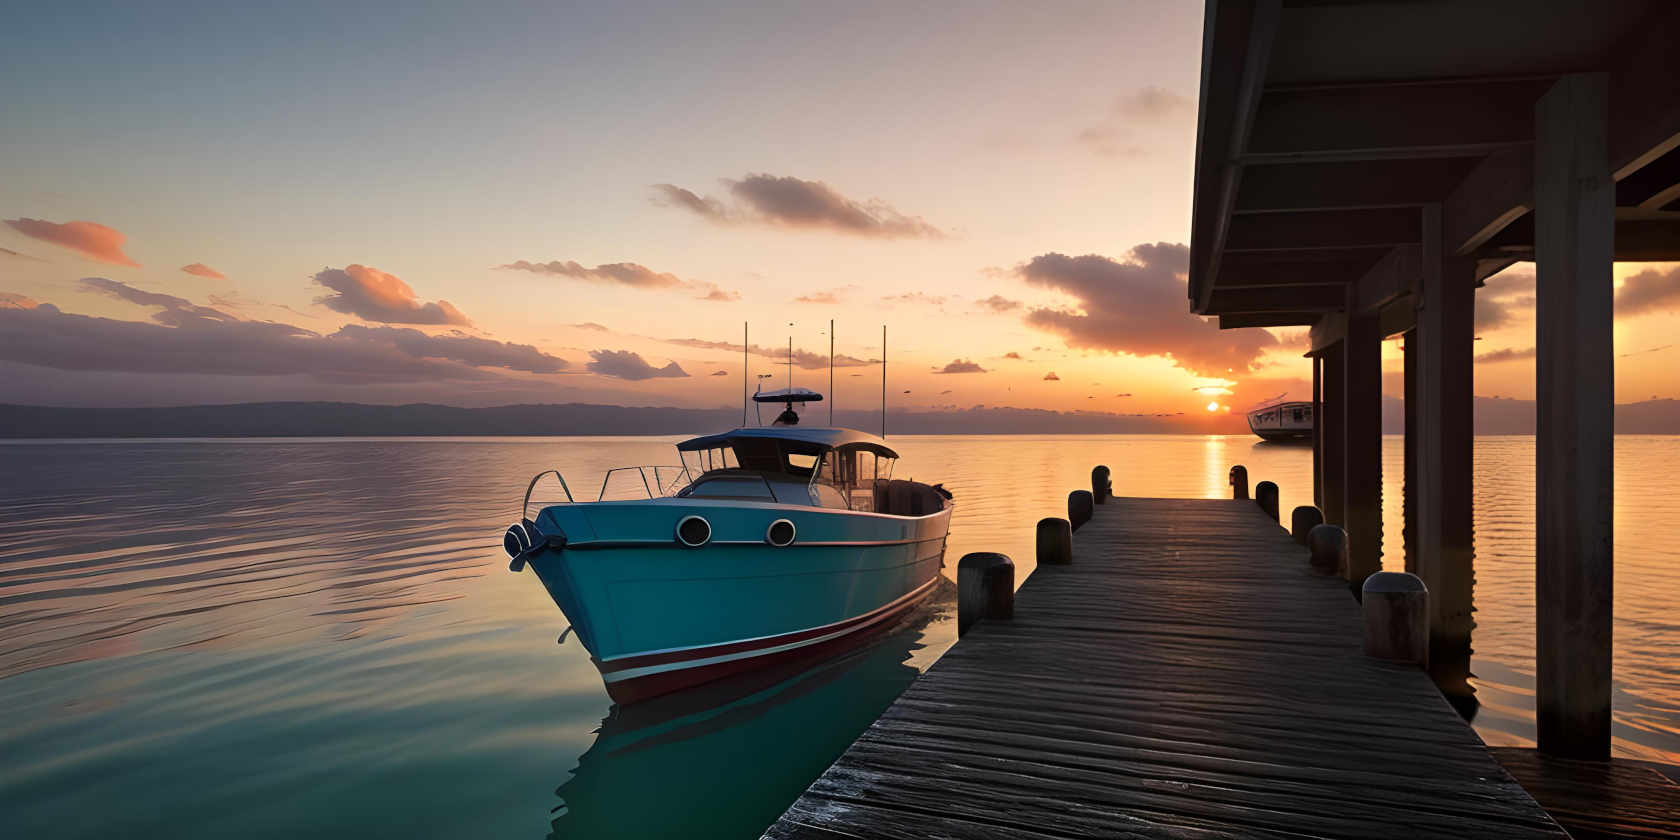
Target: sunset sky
point(514, 203)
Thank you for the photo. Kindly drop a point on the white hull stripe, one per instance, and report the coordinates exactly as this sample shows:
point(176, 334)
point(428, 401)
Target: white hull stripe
point(879, 614)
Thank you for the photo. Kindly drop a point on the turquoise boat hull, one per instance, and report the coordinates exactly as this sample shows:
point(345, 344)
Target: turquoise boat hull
point(657, 615)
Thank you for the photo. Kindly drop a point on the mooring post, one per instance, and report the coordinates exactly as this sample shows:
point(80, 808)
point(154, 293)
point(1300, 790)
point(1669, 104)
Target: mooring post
point(1302, 520)
point(1266, 495)
point(1101, 486)
point(985, 589)
point(1079, 508)
point(1055, 542)
point(1396, 606)
point(1328, 545)
point(1239, 482)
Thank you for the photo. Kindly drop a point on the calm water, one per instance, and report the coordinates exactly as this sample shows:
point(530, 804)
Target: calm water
point(268, 638)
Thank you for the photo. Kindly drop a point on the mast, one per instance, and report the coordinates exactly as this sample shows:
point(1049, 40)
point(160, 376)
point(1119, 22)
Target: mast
point(831, 371)
point(790, 361)
point(744, 366)
point(883, 380)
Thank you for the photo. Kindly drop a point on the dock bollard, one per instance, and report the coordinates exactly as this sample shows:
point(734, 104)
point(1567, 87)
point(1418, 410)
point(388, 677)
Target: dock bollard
point(1079, 508)
point(1329, 547)
point(1055, 542)
point(1396, 606)
point(1302, 520)
point(1266, 495)
point(1239, 482)
point(1101, 487)
point(985, 588)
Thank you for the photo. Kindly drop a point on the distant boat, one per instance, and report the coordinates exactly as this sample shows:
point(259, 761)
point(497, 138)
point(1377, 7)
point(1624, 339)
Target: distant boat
point(1282, 421)
point(768, 544)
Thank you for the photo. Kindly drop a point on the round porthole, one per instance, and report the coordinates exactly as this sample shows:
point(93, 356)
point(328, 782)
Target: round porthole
point(694, 531)
point(780, 533)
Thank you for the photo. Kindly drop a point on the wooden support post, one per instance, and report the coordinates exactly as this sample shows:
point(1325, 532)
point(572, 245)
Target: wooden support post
point(1408, 485)
point(1302, 520)
point(1101, 486)
point(1332, 418)
point(1574, 236)
point(1362, 472)
point(1055, 542)
point(985, 589)
point(1238, 480)
point(1440, 440)
point(1080, 508)
point(1396, 607)
point(1318, 430)
point(1266, 496)
point(1328, 548)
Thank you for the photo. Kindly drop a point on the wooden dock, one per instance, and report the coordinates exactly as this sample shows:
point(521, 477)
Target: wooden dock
point(1187, 676)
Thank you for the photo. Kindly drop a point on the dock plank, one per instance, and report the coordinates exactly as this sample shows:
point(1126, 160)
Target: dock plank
point(1187, 676)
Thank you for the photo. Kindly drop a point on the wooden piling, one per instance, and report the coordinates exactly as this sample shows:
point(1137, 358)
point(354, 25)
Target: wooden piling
point(1396, 606)
point(1328, 547)
point(1239, 482)
point(1304, 519)
point(1080, 507)
point(1055, 542)
point(1266, 495)
point(985, 589)
point(1101, 486)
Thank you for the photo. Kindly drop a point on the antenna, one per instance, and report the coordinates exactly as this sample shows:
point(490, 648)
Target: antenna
point(831, 371)
point(790, 360)
point(883, 380)
point(744, 367)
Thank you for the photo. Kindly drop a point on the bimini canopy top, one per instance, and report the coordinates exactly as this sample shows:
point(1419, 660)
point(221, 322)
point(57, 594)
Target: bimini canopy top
point(788, 395)
point(813, 437)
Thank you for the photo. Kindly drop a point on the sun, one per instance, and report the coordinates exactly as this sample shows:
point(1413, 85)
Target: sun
point(1213, 406)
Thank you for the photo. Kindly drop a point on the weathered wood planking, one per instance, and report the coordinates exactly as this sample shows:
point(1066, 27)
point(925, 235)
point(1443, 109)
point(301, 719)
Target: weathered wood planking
point(1618, 799)
point(1186, 677)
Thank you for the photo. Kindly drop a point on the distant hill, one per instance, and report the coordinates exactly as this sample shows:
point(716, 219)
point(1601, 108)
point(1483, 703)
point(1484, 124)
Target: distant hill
point(326, 419)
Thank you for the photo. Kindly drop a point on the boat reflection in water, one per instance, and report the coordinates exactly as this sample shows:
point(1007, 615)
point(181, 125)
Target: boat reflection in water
point(725, 759)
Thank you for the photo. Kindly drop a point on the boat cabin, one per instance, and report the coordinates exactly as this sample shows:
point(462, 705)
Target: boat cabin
point(822, 467)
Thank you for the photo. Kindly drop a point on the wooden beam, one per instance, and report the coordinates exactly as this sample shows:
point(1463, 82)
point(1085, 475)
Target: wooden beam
point(1645, 90)
point(1234, 275)
point(1393, 275)
point(1362, 470)
point(1236, 48)
point(1497, 192)
point(1651, 187)
point(1327, 330)
point(1322, 298)
point(1349, 185)
point(1575, 233)
point(1332, 415)
point(1320, 230)
point(1267, 319)
point(1444, 119)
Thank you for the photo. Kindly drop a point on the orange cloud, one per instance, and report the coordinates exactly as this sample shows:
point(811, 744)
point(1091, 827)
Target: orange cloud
point(9, 300)
point(373, 295)
point(203, 270)
point(94, 241)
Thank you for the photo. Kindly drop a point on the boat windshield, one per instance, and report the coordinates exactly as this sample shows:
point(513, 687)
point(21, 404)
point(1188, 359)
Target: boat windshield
point(850, 475)
point(702, 461)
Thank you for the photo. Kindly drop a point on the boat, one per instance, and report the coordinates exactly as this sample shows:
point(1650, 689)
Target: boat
point(1283, 421)
point(768, 544)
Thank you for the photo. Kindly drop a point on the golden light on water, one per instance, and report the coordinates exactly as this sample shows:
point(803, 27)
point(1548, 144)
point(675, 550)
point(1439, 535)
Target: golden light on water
point(1213, 406)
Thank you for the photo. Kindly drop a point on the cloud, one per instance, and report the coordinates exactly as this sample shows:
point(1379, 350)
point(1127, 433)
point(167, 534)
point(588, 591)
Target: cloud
point(591, 325)
point(720, 373)
point(1012, 355)
point(806, 359)
point(960, 366)
point(827, 297)
point(1138, 307)
point(19, 255)
point(786, 201)
point(91, 240)
point(175, 310)
point(11, 300)
point(203, 270)
point(1491, 313)
point(1052, 377)
point(1649, 291)
point(1110, 141)
point(999, 303)
point(373, 295)
point(633, 275)
point(1508, 354)
point(624, 364)
point(915, 297)
point(1151, 103)
point(190, 339)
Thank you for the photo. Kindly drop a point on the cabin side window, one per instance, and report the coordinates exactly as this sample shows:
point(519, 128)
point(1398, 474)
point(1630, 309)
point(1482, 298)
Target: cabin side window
point(854, 474)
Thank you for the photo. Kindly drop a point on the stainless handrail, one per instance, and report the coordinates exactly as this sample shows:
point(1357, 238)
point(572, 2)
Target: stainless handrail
point(525, 506)
point(646, 487)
